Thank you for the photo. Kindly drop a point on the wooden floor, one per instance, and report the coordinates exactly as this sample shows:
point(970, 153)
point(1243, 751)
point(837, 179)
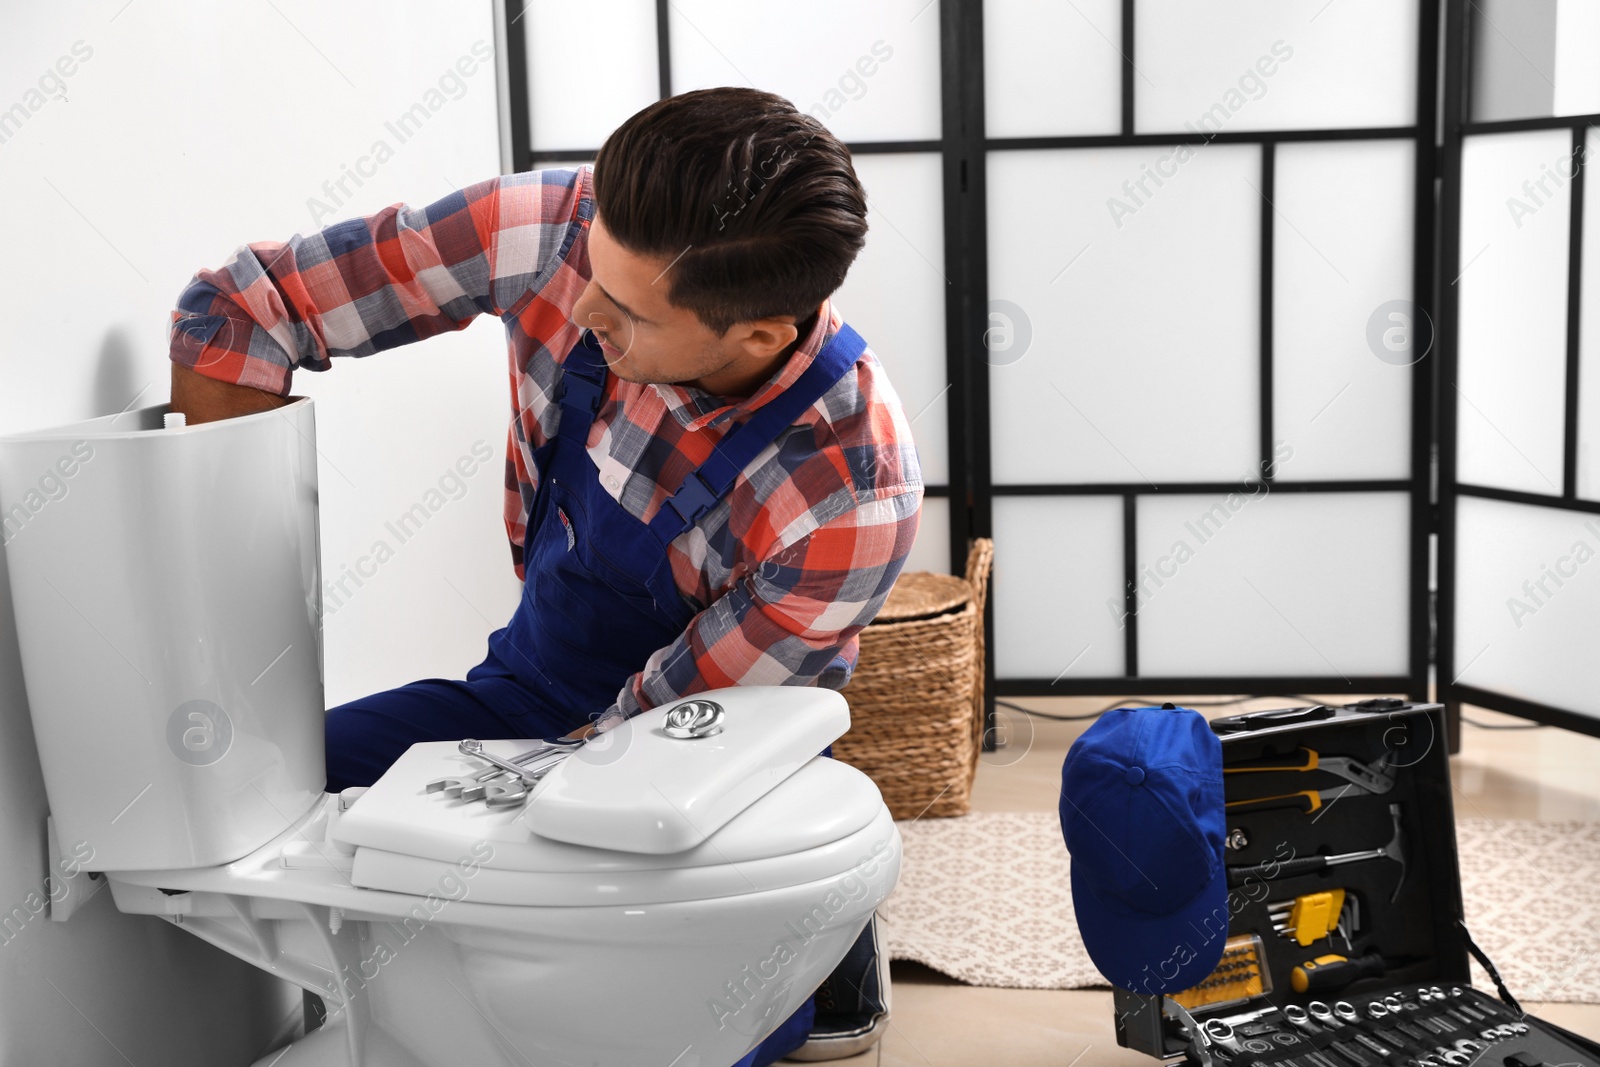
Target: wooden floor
point(1546, 774)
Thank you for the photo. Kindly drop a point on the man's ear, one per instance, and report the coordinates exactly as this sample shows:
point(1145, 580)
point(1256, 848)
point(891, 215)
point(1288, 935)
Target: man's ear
point(764, 338)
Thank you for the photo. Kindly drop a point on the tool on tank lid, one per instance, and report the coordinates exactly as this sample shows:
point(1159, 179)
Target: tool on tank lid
point(508, 780)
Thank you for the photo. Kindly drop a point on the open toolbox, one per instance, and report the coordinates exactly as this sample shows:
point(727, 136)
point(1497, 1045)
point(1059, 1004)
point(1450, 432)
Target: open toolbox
point(1345, 944)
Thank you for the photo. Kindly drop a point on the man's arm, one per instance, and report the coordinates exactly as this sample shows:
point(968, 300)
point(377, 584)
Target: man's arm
point(361, 286)
point(784, 623)
point(203, 399)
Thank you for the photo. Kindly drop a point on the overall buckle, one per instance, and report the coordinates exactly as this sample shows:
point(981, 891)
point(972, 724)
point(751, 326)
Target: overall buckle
point(693, 499)
point(579, 392)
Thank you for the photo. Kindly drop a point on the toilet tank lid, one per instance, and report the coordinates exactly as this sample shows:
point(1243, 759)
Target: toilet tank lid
point(640, 788)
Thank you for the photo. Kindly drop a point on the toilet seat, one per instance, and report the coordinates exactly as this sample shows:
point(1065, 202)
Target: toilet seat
point(824, 819)
point(861, 852)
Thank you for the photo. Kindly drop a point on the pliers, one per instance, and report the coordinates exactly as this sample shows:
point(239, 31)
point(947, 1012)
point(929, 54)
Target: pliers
point(1360, 780)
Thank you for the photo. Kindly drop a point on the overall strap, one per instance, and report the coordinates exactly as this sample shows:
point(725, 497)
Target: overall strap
point(583, 381)
point(709, 482)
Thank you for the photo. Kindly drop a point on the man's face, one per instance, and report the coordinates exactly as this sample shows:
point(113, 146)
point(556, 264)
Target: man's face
point(643, 336)
point(647, 340)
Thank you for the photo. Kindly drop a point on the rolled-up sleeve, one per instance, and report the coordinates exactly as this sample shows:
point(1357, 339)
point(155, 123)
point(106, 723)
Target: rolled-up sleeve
point(376, 282)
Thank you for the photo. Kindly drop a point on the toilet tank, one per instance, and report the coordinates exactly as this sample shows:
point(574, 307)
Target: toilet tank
point(167, 590)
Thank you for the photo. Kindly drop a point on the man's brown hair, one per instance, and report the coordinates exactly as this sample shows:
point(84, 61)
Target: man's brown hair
point(755, 202)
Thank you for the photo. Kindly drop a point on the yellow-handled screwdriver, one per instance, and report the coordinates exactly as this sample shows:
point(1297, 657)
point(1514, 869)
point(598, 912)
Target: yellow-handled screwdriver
point(1335, 972)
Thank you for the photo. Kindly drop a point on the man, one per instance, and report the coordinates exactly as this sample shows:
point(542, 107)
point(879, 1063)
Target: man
point(710, 481)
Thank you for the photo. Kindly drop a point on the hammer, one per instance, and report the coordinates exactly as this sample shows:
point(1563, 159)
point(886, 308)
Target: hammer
point(1267, 870)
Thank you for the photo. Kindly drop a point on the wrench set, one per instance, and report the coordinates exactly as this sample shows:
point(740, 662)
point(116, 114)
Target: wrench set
point(1413, 1026)
point(1345, 945)
point(507, 781)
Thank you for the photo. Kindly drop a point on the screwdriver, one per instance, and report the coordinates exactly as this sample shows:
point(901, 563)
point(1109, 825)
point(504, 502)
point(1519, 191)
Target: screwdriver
point(1335, 972)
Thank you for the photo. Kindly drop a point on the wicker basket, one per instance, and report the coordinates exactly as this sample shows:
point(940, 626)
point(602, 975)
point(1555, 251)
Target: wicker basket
point(916, 700)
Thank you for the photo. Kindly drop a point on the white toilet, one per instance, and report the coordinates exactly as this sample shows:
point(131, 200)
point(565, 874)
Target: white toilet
point(657, 899)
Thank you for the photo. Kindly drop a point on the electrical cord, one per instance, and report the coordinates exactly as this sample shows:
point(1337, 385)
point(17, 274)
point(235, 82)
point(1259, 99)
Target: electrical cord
point(1143, 702)
point(1045, 715)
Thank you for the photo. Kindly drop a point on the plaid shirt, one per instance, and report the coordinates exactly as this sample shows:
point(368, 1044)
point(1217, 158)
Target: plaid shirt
point(783, 573)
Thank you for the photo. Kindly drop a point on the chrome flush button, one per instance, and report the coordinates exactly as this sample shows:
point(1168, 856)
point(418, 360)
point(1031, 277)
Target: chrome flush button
point(694, 718)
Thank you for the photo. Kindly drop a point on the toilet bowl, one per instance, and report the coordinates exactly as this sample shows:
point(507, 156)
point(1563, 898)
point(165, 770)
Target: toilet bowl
point(443, 931)
point(655, 899)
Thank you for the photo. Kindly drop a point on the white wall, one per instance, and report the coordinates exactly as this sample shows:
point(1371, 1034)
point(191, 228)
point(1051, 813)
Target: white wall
point(184, 130)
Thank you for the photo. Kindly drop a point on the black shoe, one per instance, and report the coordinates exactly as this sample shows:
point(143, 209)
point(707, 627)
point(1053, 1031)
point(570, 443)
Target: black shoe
point(853, 1004)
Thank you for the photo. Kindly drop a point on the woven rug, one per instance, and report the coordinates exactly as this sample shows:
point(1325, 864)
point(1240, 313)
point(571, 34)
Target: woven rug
point(985, 899)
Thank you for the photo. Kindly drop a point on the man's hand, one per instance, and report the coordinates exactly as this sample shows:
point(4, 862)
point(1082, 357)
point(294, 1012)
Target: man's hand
point(580, 733)
point(203, 399)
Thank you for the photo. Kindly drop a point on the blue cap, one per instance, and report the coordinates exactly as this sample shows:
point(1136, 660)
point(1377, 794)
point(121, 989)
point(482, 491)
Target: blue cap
point(1143, 814)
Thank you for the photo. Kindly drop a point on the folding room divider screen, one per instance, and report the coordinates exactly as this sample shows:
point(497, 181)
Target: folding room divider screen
point(1153, 280)
point(1519, 607)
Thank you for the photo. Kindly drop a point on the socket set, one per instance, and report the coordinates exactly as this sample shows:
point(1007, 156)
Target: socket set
point(1414, 1026)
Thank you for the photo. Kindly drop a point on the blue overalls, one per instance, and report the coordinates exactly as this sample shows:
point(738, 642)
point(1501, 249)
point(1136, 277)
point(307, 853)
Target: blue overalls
point(598, 599)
